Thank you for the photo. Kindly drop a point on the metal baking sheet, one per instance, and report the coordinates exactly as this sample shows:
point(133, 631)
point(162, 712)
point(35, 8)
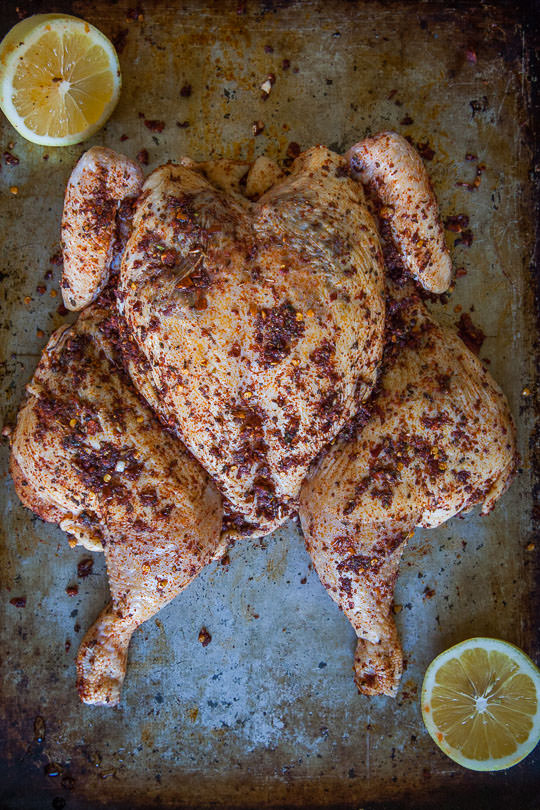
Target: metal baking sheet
point(267, 714)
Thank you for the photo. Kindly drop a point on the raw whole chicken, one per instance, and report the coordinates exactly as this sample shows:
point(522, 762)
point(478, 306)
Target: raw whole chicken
point(243, 323)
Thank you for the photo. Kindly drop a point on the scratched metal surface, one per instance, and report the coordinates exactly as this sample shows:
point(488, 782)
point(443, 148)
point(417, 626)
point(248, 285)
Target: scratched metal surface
point(267, 714)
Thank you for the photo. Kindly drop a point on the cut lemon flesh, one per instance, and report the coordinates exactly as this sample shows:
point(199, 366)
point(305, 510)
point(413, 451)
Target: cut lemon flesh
point(59, 79)
point(481, 704)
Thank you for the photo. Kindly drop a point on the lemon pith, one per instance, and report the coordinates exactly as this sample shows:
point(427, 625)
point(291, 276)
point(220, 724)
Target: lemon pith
point(59, 79)
point(481, 703)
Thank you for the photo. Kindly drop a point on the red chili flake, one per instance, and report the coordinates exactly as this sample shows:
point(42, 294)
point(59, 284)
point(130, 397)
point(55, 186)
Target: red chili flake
point(225, 560)
point(134, 14)
point(257, 127)
point(471, 55)
point(428, 592)
point(84, 568)
point(456, 223)
point(204, 637)
point(48, 274)
point(92, 427)
point(391, 95)
point(67, 645)
point(185, 92)
point(11, 160)
point(285, 64)
point(154, 125)
point(142, 157)
point(124, 138)
point(293, 150)
point(466, 239)
point(18, 601)
point(425, 151)
point(471, 156)
point(41, 289)
point(119, 40)
point(72, 590)
point(471, 335)
point(61, 310)
point(76, 627)
point(39, 729)
point(461, 272)
point(169, 257)
point(303, 581)
point(182, 124)
point(57, 258)
point(479, 105)
point(407, 121)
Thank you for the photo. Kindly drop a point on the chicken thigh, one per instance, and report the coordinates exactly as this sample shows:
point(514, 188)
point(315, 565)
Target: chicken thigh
point(435, 438)
point(90, 456)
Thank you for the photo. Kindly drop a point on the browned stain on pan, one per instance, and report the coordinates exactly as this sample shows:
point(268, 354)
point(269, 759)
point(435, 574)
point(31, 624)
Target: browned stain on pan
point(266, 715)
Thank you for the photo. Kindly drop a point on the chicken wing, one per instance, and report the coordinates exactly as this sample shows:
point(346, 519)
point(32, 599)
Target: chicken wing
point(394, 175)
point(95, 223)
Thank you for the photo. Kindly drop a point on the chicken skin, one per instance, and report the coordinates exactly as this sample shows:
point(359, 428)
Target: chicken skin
point(261, 321)
point(100, 192)
point(90, 456)
point(397, 183)
point(233, 370)
point(436, 438)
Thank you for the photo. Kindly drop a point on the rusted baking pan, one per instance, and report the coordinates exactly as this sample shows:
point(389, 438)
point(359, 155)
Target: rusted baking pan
point(267, 714)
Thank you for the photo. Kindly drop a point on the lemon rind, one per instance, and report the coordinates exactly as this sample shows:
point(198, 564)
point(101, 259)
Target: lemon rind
point(526, 665)
point(26, 33)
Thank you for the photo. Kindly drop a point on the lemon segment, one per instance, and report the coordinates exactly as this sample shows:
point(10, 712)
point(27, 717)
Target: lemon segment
point(481, 704)
point(59, 79)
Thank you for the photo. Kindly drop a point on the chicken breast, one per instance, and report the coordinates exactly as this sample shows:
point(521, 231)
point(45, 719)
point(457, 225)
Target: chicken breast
point(261, 322)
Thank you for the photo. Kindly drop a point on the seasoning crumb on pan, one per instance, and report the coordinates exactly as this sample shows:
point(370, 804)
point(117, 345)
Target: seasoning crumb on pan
point(204, 637)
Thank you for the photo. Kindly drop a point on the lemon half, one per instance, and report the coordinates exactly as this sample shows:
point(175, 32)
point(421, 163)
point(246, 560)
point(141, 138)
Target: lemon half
point(481, 704)
point(59, 79)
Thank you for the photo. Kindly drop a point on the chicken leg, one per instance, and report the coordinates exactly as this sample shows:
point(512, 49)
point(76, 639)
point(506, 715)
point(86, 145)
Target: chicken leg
point(88, 454)
point(435, 438)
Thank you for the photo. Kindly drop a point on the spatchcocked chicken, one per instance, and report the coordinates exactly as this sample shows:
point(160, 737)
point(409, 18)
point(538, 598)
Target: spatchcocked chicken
point(243, 318)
